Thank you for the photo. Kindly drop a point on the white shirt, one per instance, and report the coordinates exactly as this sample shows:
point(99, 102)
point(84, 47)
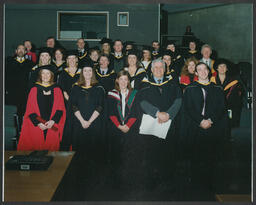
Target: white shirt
point(20, 58)
point(207, 61)
point(118, 54)
point(123, 102)
point(204, 94)
point(145, 63)
point(105, 70)
point(81, 50)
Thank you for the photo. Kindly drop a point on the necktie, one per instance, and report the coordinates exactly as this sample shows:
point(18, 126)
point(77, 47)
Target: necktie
point(160, 89)
point(102, 72)
point(206, 63)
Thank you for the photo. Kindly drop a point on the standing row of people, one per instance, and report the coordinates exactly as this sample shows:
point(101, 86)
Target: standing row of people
point(93, 102)
point(98, 122)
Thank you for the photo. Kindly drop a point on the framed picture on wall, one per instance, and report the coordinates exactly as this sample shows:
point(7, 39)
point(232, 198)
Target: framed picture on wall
point(122, 18)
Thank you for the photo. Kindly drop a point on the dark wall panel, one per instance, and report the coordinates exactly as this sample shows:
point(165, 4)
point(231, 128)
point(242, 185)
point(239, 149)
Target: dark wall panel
point(227, 28)
point(38, 21)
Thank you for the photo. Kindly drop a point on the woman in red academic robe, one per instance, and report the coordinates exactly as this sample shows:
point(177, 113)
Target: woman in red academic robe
point(188, 72)
point(45, 114)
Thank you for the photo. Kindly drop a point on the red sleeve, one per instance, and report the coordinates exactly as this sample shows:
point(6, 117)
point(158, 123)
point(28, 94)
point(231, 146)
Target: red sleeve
point(33, 57)
point(184, 80)
point(114, 120)
point(130, 122)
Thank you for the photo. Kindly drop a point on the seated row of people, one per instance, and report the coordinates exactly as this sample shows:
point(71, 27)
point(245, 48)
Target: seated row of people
point(118, 50)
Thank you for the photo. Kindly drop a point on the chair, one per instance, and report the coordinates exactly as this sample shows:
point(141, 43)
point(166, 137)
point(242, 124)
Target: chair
point(10, 127)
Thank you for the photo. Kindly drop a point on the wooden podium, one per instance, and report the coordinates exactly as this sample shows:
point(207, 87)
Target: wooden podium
point(35, 185)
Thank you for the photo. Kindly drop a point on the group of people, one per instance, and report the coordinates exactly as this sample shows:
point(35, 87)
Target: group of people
point(94, 100)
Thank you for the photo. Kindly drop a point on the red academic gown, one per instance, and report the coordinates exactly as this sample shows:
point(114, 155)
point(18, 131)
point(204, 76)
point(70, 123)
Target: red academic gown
point(32, 137)
point(185, 80)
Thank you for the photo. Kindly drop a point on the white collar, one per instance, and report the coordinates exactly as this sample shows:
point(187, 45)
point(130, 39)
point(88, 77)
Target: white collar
point(20, 58)
point(204, 60)
point(124, 94)
point(118, 53)
point(81, 50)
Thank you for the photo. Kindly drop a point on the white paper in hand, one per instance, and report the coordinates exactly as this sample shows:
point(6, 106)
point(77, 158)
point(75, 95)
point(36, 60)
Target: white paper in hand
point(150, 126)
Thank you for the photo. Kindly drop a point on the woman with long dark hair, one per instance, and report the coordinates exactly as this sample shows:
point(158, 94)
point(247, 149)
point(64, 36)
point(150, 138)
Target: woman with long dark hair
point(188, 75)
point(84, 125)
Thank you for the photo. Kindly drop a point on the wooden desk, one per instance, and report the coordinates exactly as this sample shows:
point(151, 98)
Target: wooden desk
point(35, 185)
point(233, 197)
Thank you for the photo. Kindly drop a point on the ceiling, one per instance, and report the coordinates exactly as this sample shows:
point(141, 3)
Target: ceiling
point(173, 8)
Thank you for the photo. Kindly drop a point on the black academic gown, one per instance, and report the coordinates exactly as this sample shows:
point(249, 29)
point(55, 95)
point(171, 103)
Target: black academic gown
point(190, 54)
point(125, 153)
point(117, 63)
point(178, 61)
point(82, 57)
point(233, 98)
point(66, 80)
point(115, 118)
point(107, 80)
point(200, 145)
point(148, 68)
point(58, 69)
point(136, 80)
point(160, 154)
point(93, 64)
point(86, 141)
point(17, 83)
point(156, 54)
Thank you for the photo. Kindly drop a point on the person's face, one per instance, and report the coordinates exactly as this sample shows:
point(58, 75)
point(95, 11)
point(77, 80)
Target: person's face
point(28, 45)
point(50, 43)
point(46, 76)
point(155, 45)
point(104, 62)
point(94, 56)
point(45, 58)
point(158, 70)
point(222, 68)
point(72, 60)
point(105, 46)
point(87, 72)
point(132, 60)
point(171, 47)
point(192, 46)
point(128, 47)
point(123, 82)
point(206, 52)
point(80, 44)
point(202, 72)
point(118, 46)
point(20, 51)
point(58, 55)
point(146, 54)
point(191, 67)
point(167, 59)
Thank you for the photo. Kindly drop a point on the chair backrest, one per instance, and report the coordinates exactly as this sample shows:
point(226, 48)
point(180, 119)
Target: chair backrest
point(9, 113)
point(10, 126)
